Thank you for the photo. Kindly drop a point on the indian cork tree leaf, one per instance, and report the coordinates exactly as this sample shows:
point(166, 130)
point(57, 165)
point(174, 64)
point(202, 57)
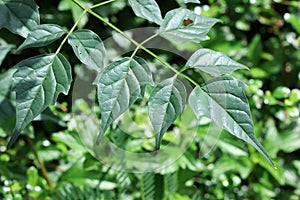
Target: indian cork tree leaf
point(4, 49)
point(119, 85)
point(166, 103)
point(19, 16)
point(147, 9)
point(213, 63)
point(7, 96)
point(191, 1)
point(88, 48)
point(223, 100)
point(42, 35)
point(182, 25)
point(38, 81)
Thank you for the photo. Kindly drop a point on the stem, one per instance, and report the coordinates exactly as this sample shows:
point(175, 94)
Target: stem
point(142, 43)
point(42, 166)
point(136, 43)
point(101, 4)
point(71, 31)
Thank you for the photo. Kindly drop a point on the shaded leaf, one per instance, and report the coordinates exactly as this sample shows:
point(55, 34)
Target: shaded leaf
point(119, 85)
point(4, 49)
point(213, 63)
point(88, 48)
point(42, 35)
point(7, 97)
point(166, 103)
point(147, 9)
point(191, 1)
point(19, 16)
point(174, 27)
point(38, 81)
point(223, 100)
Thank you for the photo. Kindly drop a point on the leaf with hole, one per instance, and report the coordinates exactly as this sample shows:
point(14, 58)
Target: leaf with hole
point(19, 16)
point(119, 85)
point(166, 103)
point(223, 100)
point(42, 35)
point(38, 82)
point(182, 25)
point(213, 63)
point(147, 9)
point(88, 48)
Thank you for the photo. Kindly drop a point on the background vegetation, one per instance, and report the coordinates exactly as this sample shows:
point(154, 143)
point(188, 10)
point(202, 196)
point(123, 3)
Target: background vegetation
point(51, 162)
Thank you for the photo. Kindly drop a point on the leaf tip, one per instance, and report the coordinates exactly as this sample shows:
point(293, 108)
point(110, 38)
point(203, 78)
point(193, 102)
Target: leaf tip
point(13, 138)
point(100, 136)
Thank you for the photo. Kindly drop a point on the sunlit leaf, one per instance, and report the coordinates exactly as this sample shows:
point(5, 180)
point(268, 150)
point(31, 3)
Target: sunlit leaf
point(119, 85)
point(191, 1)
point(147, 9)
point(223, 100)
point(19, 16)
point(213, 63)
point(182, 25)
point(88, 48)
point(38, 81)
point(42, 35)
point(166, 103)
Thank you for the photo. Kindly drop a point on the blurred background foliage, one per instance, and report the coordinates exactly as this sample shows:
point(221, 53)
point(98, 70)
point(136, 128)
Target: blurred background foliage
point(49, 161)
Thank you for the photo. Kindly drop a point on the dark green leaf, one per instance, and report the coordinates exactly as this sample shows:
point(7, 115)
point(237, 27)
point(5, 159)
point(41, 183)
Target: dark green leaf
point(4, 49)
point(147, 9)
point(42, 35)
point(255, 50)
point(88, 48)
point(191, 1)
point(213, 63)
point(119, 85)
point(183, 25)
point(19, 16)
point(38, 81)
point(7, 97)
point(166, 103)
point(223, 100)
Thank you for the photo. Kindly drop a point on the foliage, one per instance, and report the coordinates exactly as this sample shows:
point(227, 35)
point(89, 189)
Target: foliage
point(260, 35)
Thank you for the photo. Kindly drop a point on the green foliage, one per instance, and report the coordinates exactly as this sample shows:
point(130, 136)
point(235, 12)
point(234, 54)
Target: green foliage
point(150, 87)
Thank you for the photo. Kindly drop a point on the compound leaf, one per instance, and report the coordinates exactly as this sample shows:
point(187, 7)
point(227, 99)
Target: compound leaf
point(119, 85)
point(147, 9)
point(223, 100)
point(182, 25)
point(213, 63)
point(88, 48)
point(42, 35)
point(19, 16)
point(166, 103)
point(38, 81)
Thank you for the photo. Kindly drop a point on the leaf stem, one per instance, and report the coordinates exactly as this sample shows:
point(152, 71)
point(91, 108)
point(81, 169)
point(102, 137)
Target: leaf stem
point(71, 31)
point(142, 43)
point(101, 4)
point(139, 46)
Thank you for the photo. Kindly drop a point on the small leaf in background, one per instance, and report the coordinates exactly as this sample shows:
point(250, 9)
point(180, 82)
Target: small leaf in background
point(42, 35)
point(88, 48)
point(223, 100)
point(213, 63)
point(294, 95)
point(281, 92)
point(147, 9)
point(18, 16)
point(32, 176)
point(4, 49)
point(166, 103)
point(174, 27)
point(7, 97)
point(76, 10)
point(38, 82)
point(255, 50)
point(119, 85)
point(191, 1)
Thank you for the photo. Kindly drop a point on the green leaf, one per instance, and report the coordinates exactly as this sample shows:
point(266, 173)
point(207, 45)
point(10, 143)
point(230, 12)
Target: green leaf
point(4, 49)
point(42, 35)
point(213, 63)
point(147, 9)
point(88, 48)
point(255, 50)
point(32, 176)
point(119, 85)
point(183, 25)
point(166, 103)
point(223, 100)
point(7, 97)
point(19, 16)
point(281, 92)
point(191, 1)
point(38, 81)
